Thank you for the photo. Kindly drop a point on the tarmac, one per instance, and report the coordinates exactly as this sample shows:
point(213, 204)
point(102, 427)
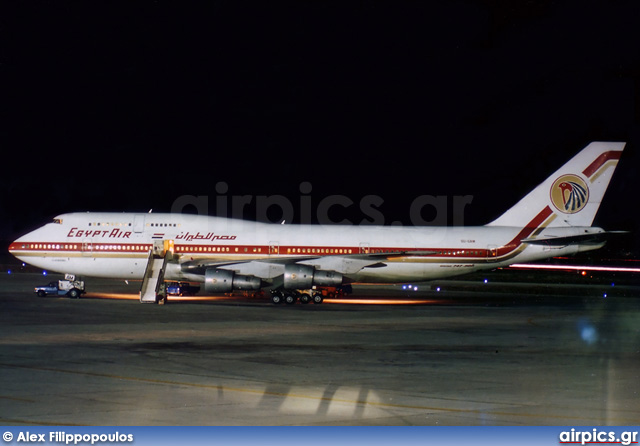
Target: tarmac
point(516, 352)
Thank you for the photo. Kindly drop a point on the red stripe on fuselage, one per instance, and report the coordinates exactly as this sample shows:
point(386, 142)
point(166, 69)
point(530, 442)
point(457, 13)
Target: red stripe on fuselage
point(526, 231)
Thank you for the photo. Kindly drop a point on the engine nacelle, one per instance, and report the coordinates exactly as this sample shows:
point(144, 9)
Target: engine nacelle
point(303, 277)
point(244, 283)
point(225, 281)
point(298, 276)
point(218, 280)
point(327, 278)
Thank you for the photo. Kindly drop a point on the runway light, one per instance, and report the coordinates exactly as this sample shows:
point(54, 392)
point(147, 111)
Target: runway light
point(415, 288)
point(8, 271)
point(604, 295)
point(486, 280)
point(584, 273)
point(438, 289)
point(44, 273)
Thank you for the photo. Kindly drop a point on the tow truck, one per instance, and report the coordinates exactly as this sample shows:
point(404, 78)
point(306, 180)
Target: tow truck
point(181, 289)
point(67, 287)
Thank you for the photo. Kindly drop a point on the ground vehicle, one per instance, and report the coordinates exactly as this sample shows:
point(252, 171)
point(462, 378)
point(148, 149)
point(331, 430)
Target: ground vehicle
point(72, 288)
point(181, 289)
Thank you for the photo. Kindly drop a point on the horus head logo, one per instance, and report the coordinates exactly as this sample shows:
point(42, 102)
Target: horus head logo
point(569, 194)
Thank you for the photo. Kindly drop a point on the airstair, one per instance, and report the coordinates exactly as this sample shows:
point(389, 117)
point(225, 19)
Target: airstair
point(152, 289)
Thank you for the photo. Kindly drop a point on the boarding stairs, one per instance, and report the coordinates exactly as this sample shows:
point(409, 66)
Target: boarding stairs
point(152, 289)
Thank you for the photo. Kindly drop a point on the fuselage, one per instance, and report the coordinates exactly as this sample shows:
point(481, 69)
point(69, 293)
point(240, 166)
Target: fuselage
point(553, 219)
point(117, 245)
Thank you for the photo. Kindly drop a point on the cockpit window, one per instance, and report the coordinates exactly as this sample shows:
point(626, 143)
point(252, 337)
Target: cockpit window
point(57, 221)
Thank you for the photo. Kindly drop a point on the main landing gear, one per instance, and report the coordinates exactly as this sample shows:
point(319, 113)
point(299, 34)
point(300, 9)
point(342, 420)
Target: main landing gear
point(291, 296)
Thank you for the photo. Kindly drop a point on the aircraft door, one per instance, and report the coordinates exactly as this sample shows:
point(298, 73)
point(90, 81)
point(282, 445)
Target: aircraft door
point(168, 246)
point(87, 247)
point(138, 223)
point(158, 248)
point(274, 248)
point(492, 253)
point(162, 247)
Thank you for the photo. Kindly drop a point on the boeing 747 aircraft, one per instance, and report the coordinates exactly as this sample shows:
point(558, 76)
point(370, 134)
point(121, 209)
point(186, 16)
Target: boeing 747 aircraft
point(298, 261)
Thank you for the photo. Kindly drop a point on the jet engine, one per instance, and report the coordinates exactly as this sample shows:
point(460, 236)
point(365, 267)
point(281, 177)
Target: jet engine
point(225, 281)
point(303, 277)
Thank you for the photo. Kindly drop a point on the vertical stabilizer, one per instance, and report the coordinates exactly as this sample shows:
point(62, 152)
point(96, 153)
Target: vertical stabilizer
point(573, 193)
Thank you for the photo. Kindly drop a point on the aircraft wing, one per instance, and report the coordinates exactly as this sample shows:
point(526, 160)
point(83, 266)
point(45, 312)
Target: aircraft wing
point(352, 263)
point(269, 268)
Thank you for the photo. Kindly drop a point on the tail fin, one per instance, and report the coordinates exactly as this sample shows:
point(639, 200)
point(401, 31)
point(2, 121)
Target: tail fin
point(573, 193)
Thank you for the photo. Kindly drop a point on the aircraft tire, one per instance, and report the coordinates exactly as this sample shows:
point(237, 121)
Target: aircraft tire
point(317, 298)
point(290, 299)
point(276, 299)
point(305, 298)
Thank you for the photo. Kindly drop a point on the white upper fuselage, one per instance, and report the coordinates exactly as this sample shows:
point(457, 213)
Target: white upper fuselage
point(117, 245)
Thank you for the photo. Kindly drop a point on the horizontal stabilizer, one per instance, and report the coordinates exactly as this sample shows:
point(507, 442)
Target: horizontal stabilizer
point(581, 239)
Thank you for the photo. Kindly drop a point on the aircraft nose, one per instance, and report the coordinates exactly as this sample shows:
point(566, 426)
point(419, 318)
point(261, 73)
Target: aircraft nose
point(16, 247)
point(19, 245)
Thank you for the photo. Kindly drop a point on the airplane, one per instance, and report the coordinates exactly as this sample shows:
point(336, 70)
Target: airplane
point(297, 262)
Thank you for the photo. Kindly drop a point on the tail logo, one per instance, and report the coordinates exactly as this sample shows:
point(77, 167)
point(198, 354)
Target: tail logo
point(569, 194)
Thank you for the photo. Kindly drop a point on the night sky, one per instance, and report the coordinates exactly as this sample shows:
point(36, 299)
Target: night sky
point(128, 106)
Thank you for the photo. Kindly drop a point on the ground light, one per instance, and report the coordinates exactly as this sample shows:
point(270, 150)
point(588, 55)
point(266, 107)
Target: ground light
point(575, 267)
